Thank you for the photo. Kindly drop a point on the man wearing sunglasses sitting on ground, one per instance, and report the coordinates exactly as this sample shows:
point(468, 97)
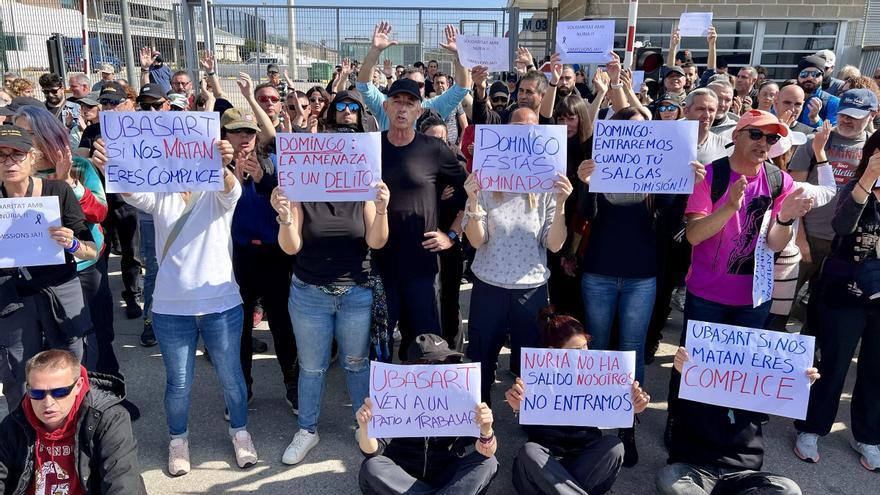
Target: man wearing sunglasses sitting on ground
point(70, 434)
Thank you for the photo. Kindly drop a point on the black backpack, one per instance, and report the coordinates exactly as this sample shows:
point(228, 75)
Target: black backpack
point(721, 179)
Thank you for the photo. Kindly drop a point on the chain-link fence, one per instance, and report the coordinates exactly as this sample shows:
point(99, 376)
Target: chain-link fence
point(245, 38)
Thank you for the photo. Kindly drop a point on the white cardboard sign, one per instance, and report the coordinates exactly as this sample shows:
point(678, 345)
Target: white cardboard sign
point(24, 232)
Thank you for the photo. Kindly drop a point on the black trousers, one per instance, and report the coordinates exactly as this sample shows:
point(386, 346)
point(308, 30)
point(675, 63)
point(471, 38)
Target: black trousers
point(99, 353)
point(122, 220)
point(412, 306)
point(451, 269)
point(843, 328)
point(470, 475)
point(673, 261)
point(263, 272)
point(495, 313)
point(564, 291)
point(536, 471)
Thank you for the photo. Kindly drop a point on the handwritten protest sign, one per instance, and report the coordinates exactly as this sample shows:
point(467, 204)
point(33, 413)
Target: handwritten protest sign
point(519, 158)
point(577, 387)
point(746, 368)
point(162, 151)
point(762, 279)
point(424, 400)
point(585, 41)
point(329, 167)
point(638, 77)
point(694, 24)
point(493, 53)
point(24, 232)
point(635, 156)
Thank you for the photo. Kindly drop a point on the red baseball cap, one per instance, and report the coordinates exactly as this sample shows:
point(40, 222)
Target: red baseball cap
point(762, 119)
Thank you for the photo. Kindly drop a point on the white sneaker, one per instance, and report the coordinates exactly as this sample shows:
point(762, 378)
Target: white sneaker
point(245, 453)
point(178, 457)
point(806, 447)
point(302, 443)
point(870, 455)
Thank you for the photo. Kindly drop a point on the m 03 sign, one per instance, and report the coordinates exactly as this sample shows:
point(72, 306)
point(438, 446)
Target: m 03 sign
point(535, 25)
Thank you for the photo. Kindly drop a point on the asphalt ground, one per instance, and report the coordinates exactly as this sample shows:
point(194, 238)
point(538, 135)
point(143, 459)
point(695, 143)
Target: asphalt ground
point(332, 466)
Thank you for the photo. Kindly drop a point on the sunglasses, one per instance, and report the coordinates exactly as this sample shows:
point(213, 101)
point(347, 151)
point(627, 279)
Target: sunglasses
point(352, 106)
point(156, 105)
point(756, 135)
point(499, 99)
point(667, 108)
point(109, 103)
point(267, 99)
point(56, 393)
point(49, 91)
point(317, 100)
point(249, 132)
point(810, 73)
point(292, 108)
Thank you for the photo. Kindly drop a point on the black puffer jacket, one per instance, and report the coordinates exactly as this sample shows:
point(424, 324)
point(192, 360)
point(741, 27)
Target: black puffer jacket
point(107, 454)
point(424, 457)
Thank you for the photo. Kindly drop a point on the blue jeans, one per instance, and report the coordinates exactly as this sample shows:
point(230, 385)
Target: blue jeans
point(178, 336)
point(632, 299)
point(148, 256)
point(317, 318)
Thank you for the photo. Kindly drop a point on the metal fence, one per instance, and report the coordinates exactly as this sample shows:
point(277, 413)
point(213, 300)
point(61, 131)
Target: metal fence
point(246, 37)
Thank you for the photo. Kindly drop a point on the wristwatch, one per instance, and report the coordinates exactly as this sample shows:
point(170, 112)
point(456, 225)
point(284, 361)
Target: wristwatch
point(453, 235)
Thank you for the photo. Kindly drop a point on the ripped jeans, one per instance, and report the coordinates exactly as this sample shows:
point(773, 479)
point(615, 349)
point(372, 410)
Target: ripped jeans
point(317, 318)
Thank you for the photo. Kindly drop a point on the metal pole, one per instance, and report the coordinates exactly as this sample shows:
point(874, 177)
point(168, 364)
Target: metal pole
point(127, 44)
point(631, 32)
point(15, 37)
point(259, 45)
point(513, 34)
point(98, 19)
point(85, 38)
point(175, 45)
point(421, 39)
point(338, 40)
point(291, 39)
point(207, 42)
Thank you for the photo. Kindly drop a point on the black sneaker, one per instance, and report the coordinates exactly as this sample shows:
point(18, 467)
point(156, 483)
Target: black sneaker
point(133, 309)
point(630, 452)
point(292, 398)
point(148, 338)
point(651, 351)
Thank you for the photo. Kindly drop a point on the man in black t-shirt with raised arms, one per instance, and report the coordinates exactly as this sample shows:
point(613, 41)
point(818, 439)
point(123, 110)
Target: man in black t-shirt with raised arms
point(415, 167)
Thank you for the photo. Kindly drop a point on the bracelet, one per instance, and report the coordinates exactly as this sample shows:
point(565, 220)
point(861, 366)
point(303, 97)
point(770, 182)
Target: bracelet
point(381, 213)
point(283, 222)
point(617, 86)
point(211, 73)
point(552, 85)
point(859, 183)
point(74, 247)
point(784, 224)
point(479, 214)
point(823, 162)
point(487, 440)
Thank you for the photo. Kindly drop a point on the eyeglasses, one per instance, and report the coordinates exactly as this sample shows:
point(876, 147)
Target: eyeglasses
point(756, 135)
point(317, 100)
point(16, 157)
point(267, 99)
point(56, 393)
point(177, 109)
point(157, 105)
point(109, 103)
point(810, 73)
point(667, 108)
point(351, 106)
point(249, 132)
point(499, 99)
point(181, 83)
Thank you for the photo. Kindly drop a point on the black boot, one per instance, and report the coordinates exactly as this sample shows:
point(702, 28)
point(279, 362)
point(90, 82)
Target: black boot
point(630, 452)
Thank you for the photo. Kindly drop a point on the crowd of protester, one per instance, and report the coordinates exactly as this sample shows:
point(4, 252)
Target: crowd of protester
point(571, 269)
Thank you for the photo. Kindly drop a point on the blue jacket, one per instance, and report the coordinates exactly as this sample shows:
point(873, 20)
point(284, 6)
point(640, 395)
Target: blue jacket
point(828, 111)
point(444, 104)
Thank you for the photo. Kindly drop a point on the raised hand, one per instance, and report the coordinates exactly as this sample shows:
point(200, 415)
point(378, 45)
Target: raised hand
point(226, 151)
point(387, 69)
point(480, 75)
point(585, 170)
point(820, 138)
point(382, 36)
point(676, 39)
point(147, 55)
point(795, 205)
point(563, 188)
point(524, 56)
point(383, 196)
point(712, 37)
point(555, 68)
point(207, 61)
point(472, 186)
point(736, 193)
point(245, 84)
point(613, 67)
point(450, 44)
point(813, 107)
point(601, 80)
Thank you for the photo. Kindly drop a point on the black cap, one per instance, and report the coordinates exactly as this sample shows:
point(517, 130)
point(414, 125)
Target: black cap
point(431, 348)
point(671, 98)
point(812, 61)
point(272, 69)
point(112, 90)
point(498, 87)
point(151, 90)
point(721, 63)
point(407, 86)
point(24, 101)
point(684, 56)
point(7, 111)
point(674, 70)
point(12, 136)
